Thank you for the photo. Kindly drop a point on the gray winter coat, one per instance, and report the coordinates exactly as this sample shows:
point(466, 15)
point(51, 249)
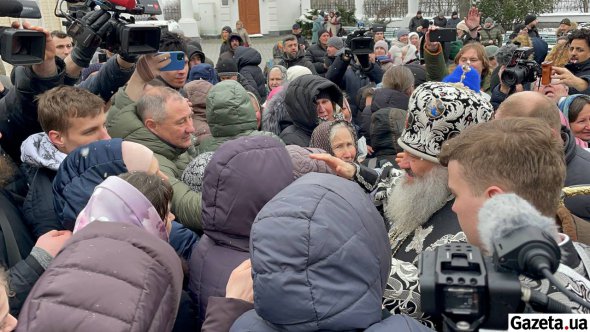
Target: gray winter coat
point(311, 273)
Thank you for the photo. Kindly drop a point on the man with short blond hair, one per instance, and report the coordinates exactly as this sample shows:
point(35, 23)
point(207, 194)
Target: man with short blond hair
point(518, 156)
point(70, 117)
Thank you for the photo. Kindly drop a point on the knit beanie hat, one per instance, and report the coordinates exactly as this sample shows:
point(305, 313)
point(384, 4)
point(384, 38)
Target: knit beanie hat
point(227, 67)
point(297, 71)
point(194, 171)
point(226, 28)
point(491, 51)
point(322, 31)
point(303, 164)
point(437, 112)
point(412, 34)
point(529, 18)
point(382, 44)
point(489, 20)
point(402, 32)
point(336, 42)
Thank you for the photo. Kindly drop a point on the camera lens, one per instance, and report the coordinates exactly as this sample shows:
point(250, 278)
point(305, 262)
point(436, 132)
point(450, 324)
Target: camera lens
point(179, 56)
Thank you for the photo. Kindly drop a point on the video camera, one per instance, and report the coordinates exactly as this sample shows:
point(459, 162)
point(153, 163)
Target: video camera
point(359, 43)
point(123, 36)
point(21, 47)
point(471, 291)
point(521, 70)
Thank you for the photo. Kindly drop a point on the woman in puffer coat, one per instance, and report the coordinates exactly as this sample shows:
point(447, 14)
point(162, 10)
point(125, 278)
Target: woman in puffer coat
point(117, 273)
point(248, 61)
point(301, 101)
point(243, 175)
point(311, 273)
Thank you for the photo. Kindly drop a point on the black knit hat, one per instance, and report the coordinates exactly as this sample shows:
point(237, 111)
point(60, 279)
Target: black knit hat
point(227, 67)
point(529, 18)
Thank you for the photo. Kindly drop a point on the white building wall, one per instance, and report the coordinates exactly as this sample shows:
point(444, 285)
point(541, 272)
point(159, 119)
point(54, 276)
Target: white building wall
point(275, 15)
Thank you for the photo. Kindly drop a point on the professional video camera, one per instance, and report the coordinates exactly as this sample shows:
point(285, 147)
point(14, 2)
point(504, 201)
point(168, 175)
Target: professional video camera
point(123, 36)
point(21, 47)
point(521, 70)
point(359, 43)
point(471, 292)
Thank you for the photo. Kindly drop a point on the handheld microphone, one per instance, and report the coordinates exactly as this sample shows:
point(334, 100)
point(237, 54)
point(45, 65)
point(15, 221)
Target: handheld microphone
point(10, 8)
point(519, 237)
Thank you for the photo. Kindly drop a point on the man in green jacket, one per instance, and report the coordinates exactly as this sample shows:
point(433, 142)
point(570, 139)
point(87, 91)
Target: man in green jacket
point(491, 34)
point(160, 119)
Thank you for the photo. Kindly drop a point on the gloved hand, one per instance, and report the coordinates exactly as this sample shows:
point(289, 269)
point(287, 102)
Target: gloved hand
point(96, 26)
point(344, 53)
point(364, 60)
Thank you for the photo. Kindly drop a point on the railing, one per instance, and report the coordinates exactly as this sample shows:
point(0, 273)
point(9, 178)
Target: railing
point(328, 5)
point(382, 10)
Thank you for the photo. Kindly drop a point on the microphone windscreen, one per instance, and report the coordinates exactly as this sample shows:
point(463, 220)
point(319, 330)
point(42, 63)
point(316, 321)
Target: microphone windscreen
point(10, 8)
point(504, 213)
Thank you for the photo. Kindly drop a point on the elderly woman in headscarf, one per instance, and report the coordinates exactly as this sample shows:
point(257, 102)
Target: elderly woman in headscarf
point(337, 138)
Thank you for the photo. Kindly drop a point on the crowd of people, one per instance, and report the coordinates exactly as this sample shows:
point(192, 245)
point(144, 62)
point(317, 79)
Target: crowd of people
point(224, 197)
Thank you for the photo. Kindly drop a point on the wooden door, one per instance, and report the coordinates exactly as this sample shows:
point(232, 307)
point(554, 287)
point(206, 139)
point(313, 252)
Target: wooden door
point(250, 15)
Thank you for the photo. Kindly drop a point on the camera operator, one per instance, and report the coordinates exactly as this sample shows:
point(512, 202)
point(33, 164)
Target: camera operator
point(18, 109)
point(352, 72)
point(576, 74)
point(113, 74)
point(494, 158)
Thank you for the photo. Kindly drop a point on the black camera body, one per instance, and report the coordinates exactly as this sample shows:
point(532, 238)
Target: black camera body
point(521, 70)
point(359, 42)
point(21, 47)
point(466, 289)
point(123, 37)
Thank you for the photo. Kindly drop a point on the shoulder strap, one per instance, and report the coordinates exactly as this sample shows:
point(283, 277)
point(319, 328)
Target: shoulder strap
point(12, 250)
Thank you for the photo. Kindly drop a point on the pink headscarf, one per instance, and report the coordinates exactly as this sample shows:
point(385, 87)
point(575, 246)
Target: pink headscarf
point(115, 200)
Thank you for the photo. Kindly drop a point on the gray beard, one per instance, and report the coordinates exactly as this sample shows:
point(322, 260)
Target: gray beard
point(410, 205)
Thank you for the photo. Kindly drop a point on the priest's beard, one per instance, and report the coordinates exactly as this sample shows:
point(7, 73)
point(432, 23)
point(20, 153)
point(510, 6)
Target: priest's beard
point(410, 204)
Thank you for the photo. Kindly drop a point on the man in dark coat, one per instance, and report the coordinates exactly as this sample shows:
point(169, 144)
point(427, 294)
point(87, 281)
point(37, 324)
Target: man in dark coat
point(453, 21)
point(296, 31)
point(294, 55)
point(576, 74)
point(317, 52)
point(416, 21)
point(235, 41)
point(440, 21)
point(301, 101)
point(351, 75)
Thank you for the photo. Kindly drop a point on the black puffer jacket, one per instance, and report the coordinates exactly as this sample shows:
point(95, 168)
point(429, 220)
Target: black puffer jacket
point(248, 61)
point(316, 54)
point(301, 107)
point(383, 98)
point(387, 125)
point(578, 164)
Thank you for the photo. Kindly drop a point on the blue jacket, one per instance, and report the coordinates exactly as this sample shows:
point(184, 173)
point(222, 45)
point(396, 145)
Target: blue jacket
point(80, 172)
point(320, 261)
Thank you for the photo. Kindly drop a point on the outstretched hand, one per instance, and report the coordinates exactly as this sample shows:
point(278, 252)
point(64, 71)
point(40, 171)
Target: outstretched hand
point(341, 167)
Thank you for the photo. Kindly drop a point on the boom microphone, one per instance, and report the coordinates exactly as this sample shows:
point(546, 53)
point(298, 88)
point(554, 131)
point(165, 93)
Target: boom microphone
point(520, 238)
point(10, 8)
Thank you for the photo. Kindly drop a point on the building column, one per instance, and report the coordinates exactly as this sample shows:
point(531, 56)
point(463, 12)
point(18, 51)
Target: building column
point(412, 8)
point(187, 21)
point(359, 10)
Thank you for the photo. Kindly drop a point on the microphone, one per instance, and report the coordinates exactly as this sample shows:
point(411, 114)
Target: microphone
point(10, 8)
point(518, 236)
